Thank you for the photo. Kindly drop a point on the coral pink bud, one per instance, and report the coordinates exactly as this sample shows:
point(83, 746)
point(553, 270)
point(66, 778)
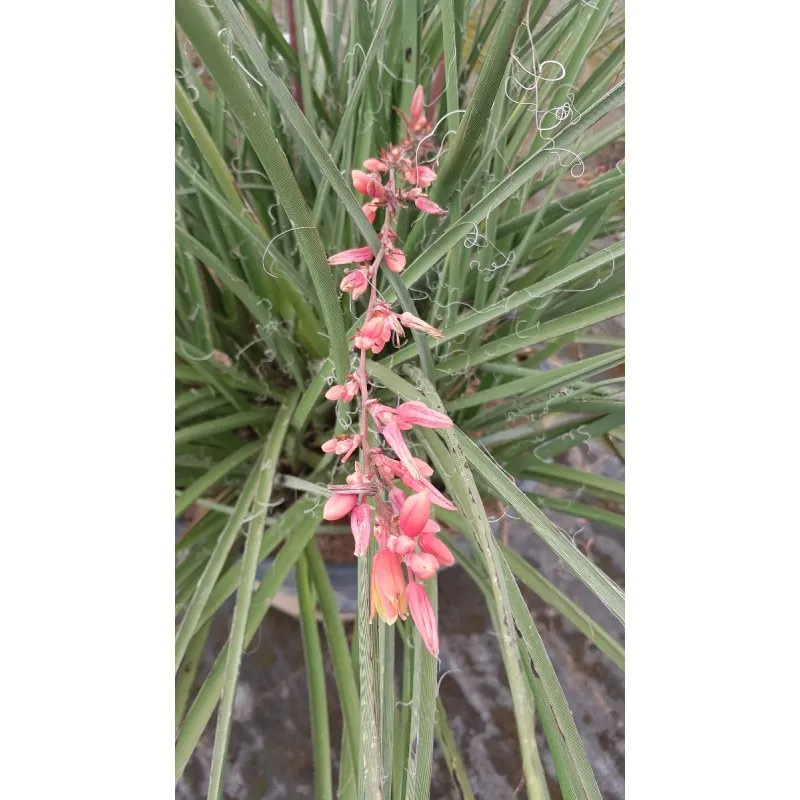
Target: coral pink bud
point(338, 506)
point(388, 585)
point(342, 445)
point(417, 324)
point(336, 392)
point(370, 209)
point(413, 412)
point(414, 514)
point(404, 545)
point(423, 565)
point(360, 180)
point(355, 282)
point(428, 206)
point(395, 259)
point(375, 165)
point(417, 104)
point(351, 256)
point(395, 439)
point(361, 526)
point(440, 551)
point(424, 617)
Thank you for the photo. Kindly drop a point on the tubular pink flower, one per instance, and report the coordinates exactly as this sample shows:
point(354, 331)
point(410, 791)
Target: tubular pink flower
point(352, 256)
point(397, 497)
point(338, 505)
point(424, 617)
point(360, 180)
point(417, 485)
point(356, 282)
point(423, 565)
point(342, 445)
point(421, 176)
point(428, 206)
point(361, 526)
point(404, 545)
point(395, 259)
point(375, 165)
point(415, 514)
point(438, 549)
point(345, 391)
point(370, 209)
point(413, 412)
point(388, 585)
point(395, 439)
point(417, 324)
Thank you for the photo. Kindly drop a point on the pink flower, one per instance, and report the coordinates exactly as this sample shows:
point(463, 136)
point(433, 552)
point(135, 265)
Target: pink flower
point(356, 282)
point(417, 324)
point(428, 206)
point(395, 259)
point(402, 545)
point(342, 445)
point(360, 180)
point(418, 484)
point(338, 505)
point(352, 256)
point(440, 551)
point(414, 514)
point(417, 104)
point(375, 165)
point(424, 617)
point(397, 497)
point(388, 584)
point(361, 526)
point(423, 565)
point(395, 439)
point(345, 391)
point(357, 478)
point(413, 412)
point(370, 209)
point(432, 526)
point(421, 176)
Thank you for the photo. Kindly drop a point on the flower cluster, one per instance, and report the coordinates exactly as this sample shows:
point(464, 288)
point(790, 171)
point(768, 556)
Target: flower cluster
point(409, 552)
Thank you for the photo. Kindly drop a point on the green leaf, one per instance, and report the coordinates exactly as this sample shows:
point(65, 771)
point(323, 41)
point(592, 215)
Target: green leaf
point(269, 465)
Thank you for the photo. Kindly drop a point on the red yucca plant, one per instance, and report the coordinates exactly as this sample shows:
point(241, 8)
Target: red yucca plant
point(460, 365)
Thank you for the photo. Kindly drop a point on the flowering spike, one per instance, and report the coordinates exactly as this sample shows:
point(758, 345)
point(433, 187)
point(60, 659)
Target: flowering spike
point(440, 551)
point(415, 513)
point(352, 256)
point(424, 617)
point(388, 585)
point(338, 506)
point(361, 526)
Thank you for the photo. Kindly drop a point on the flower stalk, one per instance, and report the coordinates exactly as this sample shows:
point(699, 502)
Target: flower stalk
point(409, 551)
